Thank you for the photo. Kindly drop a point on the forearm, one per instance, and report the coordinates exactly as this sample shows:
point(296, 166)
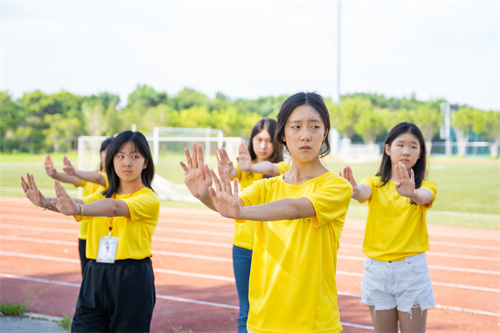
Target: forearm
point(266, 168)
point(364, 192)
point(49, 206)
point(65, 178)
point(421, 196)
point(284, 209)
point(105, 207)
point(91, 176)
point(207, 201)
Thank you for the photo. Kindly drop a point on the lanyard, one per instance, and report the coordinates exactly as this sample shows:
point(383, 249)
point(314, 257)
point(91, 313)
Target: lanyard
point(114, 197)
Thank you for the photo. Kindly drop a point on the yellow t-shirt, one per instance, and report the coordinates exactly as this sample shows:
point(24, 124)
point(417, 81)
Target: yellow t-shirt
point(244, 232)
point(134, 232)
point(292, 281)
point(395, 228)
point(89, 188)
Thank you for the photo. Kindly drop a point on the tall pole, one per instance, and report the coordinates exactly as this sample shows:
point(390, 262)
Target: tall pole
point(338, 54)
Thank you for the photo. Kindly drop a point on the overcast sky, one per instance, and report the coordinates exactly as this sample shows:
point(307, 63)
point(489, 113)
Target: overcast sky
point(435, 49)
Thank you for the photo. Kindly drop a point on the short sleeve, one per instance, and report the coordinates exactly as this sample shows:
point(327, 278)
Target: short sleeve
point(143, 206)
point(331, 201)
point(283, 167)
point(431, 186)
point(93, 197)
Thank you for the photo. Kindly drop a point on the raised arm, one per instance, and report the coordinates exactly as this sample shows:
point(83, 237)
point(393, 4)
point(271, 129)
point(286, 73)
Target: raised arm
point(360, 192)
point(228, 204)
point(245, 163)
point(405, 186)
point(224, 161)
point(104, 207)
point(197, 175)
point(61, 176)
point(89, 176)
point(35, 195)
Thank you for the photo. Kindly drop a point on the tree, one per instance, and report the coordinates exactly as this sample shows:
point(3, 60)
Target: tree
point(487, 124)
point(371, 124)
point(144, 97)
point(347, 115)
point(9, 113)
point(187, 98)
point(429, 119)
point(462, 121)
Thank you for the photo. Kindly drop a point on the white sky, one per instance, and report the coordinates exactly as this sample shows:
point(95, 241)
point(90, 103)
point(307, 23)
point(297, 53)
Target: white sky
point(435, 49)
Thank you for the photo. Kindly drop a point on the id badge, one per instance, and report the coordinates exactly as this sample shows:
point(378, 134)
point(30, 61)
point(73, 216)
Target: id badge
point(107, 249)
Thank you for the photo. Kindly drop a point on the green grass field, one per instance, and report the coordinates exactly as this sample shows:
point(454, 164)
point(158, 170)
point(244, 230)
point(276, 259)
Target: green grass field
point(468, 190)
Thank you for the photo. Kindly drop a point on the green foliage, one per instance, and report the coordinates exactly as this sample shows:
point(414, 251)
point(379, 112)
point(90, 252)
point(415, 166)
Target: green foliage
point(40, 122)
point(66, 322)
point(16, 309)
point(487, 124)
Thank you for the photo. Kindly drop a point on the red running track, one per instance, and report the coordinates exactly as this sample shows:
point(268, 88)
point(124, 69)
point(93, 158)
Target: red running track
point(194, 277)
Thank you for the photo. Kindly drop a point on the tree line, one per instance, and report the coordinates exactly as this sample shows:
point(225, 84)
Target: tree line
point(40, 122)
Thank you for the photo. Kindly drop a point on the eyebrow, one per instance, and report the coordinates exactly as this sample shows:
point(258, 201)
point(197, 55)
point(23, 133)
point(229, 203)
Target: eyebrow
point(400, 140)
point(308, 120)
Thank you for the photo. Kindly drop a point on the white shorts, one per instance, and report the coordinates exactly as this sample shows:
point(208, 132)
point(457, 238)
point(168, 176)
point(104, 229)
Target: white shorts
point(399, 284)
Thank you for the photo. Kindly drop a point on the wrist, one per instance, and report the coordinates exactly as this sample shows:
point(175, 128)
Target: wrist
point(76, 217)
point(43, 208)
point(414, 195)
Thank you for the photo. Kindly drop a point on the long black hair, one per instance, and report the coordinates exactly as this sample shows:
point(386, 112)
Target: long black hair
point(302, 98)
point(385, 171)
point(141, 145)
point(104, 145)
point(270, 126)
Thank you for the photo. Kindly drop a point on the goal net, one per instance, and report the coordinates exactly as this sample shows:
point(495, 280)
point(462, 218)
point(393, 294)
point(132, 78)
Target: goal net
point(167, 147)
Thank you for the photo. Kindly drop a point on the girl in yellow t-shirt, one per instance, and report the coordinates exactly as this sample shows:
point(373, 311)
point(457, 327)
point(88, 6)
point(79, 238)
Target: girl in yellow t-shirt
point(299, 219)
point(89, 182)
point(260, 160)
point(119, 275)
point(396, 283)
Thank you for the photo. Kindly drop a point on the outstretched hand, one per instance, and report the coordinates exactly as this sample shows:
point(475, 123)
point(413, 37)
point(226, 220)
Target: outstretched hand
point(68, 167)
point(196, 174)
point(223, 160)
point(405, 184)
point(347, 174)
point(32, 192)
point(49, 166)
point(244, 159)
point(65, 203)
point(225, 201)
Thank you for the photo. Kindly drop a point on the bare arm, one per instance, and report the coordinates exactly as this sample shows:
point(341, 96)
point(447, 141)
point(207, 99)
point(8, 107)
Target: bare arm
point(228, 204)
point(360, 192)
point(266, 168)
point(224, 161)
point(197, 175)
point(405, 186)
point(61, 176)
point(104, 207)
point(89, 176)
point(37, 198)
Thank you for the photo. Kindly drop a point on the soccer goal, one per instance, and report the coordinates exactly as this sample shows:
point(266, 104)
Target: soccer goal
point(167, 147)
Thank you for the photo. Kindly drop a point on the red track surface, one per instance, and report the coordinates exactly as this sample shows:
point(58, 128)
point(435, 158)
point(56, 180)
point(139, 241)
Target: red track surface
point(194, 277)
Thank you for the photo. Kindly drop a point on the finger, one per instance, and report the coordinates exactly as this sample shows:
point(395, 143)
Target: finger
point(194, 158)
point(222, 178)
point(218, 154)
point(217, 183)
point(213, 195)
point(188, 160)
point(236, 187)
point(184, 167)
point(227, 182)
point(208, 175)
point(201, 157)
point(24, 185)
point(412, 177)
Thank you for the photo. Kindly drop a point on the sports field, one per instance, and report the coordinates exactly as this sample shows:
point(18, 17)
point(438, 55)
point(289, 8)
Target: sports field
point(192, 256)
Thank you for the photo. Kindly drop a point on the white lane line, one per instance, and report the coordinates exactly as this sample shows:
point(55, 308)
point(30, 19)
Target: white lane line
point(39, 240)
point(22, 227)
point(203, 276)
point(457, 269)
point(462, 256)
point(468, 246)
point(192, 256)
point(222, 278)
point(193, 242)
point(187, 300)
point(12, 276)
point(197, 232)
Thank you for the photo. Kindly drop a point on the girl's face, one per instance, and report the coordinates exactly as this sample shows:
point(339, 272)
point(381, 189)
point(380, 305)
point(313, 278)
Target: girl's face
point(405, 149)
point(262, 146)
point(304, 133)
point(129, 163)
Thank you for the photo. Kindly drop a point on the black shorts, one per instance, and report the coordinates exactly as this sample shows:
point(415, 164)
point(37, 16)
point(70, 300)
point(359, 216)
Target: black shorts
point(117, 297)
